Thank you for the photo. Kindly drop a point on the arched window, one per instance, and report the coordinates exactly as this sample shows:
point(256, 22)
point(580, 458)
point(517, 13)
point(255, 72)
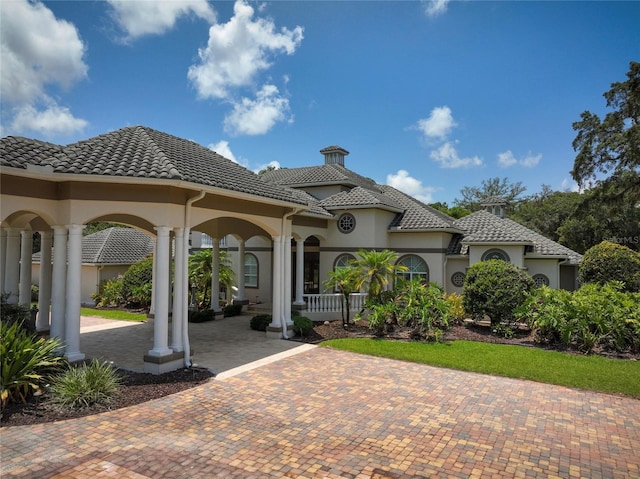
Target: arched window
point(250, 270)
point(416, 268)
point(495, 254)
point(343, 261)
point(540, 280)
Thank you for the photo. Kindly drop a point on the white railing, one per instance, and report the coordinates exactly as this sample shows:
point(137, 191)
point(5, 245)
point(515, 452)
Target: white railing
point(332, 302)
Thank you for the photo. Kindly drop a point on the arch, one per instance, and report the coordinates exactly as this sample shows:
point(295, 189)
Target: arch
point(128, 220)
point(416, 268)
point(343, 260)
point(37, 220)
point(251, 270)
point(227, 225)
point(495, 253)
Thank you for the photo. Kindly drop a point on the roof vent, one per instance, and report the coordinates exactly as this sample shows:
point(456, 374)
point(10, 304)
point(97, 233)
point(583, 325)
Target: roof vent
point(334, 155)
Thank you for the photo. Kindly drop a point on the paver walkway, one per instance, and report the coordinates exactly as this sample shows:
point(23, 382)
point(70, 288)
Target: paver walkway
point(333, 414)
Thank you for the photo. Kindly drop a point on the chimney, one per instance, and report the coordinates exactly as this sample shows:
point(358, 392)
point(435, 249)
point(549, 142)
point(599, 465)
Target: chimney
point(334, 155)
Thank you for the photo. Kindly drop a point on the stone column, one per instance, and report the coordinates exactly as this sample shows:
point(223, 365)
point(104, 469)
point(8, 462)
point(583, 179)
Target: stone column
point(3, 256)
point(215, 275)
point(179, 276)
point(26, 248)
point(277, 312)
point(152, 308)
point(59, 285)
point(161, 318)
point(286, 280)
point(299, 272)
point(12, 266)
point(44, 284)
point(74, 294)
point(241, 292)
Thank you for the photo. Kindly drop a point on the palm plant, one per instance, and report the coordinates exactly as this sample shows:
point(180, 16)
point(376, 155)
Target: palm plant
point(200, 271)
point(344, 280)
point(375, 270)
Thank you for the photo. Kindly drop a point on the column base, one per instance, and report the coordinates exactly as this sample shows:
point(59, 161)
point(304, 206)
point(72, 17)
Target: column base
point(157, 353)
point(275, 332)
point(164, 364)
point(75, 357)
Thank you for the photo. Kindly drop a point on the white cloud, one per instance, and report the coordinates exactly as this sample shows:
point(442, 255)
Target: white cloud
point(433, 8)
point(448, 157)
point(38, 50)
point(152, 17)
point(256, 117)
point(238, 50)
point(411, 186)
point(222, 148)
point(274, 165)
point(570, 185)
point(507, 159)
point(439, 123)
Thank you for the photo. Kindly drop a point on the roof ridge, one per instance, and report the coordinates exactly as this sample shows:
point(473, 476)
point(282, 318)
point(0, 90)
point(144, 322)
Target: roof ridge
point(107, 236)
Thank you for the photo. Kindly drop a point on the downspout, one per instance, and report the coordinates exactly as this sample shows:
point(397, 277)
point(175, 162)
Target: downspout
point(283, 320)
point(185, 287)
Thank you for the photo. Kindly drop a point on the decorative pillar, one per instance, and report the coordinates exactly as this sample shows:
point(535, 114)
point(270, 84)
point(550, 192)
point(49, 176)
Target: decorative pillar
point(58, 285)
point(74, 290)
point(3, 256)
point(44, 295)
point(241, 292)
point(286, 281)
point(152, 308)
point(299, 272)
point(26, 249)
point(12, 266)
point(178, 278)
point(276, 321)
point(215, 275)
point(161, 318)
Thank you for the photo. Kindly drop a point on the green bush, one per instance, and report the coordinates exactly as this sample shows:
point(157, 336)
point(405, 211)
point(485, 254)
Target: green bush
point(260, 322)
point(27, 362)
point(202, 316)
point(93, 384)
point(136, 281)
point(302, 325)
point(110, 293)
point(35, 291)
point(607, 261)
point(495, 288)
point(456, 309)
point(13, 313)
point(231, 310)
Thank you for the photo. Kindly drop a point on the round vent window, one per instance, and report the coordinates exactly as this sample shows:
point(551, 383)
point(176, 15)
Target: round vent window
point(458, 279)
point(346, 223)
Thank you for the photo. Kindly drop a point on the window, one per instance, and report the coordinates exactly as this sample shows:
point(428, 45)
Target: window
point(458, 279)
point(416, 268)
point(343, 261)
point(495, 254)
point(250, 270)
point(540, 280)
point(346, 223)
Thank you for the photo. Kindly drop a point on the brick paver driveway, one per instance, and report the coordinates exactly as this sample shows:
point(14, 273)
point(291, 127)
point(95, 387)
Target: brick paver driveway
point(334, 414)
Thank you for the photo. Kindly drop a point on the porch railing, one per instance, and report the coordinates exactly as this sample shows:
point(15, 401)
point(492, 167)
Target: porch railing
point(331, 302)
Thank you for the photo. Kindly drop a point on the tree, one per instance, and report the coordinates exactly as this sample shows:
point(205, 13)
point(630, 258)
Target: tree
point(611, 147)
point(456, 212)
point(611, 262)
point(200, 272)
point(374, 271)
point(344, 280)
point(472, 196)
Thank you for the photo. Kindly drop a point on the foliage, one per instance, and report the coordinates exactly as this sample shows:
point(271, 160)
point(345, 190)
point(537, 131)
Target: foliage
point(28, 362)
point(344, 280)
point(109, 293)
point(595, 316)
point(456, 308)
point(87, 385)
point(95, 226)
point(231, 310)
point(611, 262)
point(202, 316)
point(587, 372)
point(200, 272)
point(13, 313)
point(472, 196)
point(456, 212)
point(136, 282)
point(113, 314)
point(35, 291)
point(495, 288)
point(302, 325)
point(374, 270)
point(260, 322)
point(612, 146)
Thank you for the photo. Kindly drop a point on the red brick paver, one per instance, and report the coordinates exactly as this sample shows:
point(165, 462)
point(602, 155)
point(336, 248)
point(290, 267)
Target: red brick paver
point(332, 414)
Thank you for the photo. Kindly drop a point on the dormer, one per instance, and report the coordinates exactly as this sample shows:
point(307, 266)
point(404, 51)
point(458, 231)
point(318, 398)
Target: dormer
point(495, 205)
point(334, 155)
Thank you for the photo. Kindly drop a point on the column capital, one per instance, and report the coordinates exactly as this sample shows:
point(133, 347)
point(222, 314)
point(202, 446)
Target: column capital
point(163, 230)
point(75, 228)
point(59, 229)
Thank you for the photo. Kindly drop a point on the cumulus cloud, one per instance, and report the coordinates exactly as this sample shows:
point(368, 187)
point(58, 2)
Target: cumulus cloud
point(570, 185)
point(448, 157)
point(151, 17)
point(507, 159)
point(272, 165)
point(38, 50)
point(438, 124)
point(411, 186)
point(433, 8)
point(222, 148)
point(256, 117)
point(238, 50)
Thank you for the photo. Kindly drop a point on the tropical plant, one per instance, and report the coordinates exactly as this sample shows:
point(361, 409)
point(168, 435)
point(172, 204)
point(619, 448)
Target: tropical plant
point(374, 271)
point(28, 362)
point(611, 262)
point(260, 322)
point(200, 272)
point(137, 280)
point(109, 293)
point(93, 384)
point(302, 325)
point(456, 309)
point(344, 280)
point(422, 307)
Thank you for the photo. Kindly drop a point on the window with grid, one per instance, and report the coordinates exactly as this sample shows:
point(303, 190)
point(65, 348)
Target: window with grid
point(250, 270)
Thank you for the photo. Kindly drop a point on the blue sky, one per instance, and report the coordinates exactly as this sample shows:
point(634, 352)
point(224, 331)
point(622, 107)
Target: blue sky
point(427, 96)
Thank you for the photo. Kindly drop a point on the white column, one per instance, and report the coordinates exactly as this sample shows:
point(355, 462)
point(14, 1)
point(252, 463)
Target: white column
point(215, 275)
point(3, 256)
point(240, 270)
point(12, 266)
point(59, 285)
point(26, 248)
point(277, 283)
point(152, 308)
point(74, 289)
point(161, 318)
point(299, 272)
point(178, 278)
point(44, 283)
point(286, 279)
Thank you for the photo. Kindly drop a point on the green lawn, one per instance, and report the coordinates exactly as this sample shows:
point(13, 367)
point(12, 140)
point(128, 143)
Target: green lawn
point(113, 314)
point(585, 372)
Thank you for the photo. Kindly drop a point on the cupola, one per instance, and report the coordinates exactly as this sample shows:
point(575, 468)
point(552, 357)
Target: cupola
point(334, 155)
point(495, 205)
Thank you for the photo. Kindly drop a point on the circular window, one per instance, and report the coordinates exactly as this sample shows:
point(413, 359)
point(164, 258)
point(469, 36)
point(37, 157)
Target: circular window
point(458, 279)
point(346, 223)
point(495, 254)
point(540, 280)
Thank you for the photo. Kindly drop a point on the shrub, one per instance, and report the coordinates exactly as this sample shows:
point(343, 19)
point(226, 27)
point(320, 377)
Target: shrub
point(27, 361)
point(13, 313)
point(202, 316)
point(110, 293)
point(302, 325)
point(260, 322)
point(93, 384)
point(607, 261)
point(138, 275)
point(495, 288)
point(35, 291)
point(231, 310)
point(423, 307)
point(456, 310)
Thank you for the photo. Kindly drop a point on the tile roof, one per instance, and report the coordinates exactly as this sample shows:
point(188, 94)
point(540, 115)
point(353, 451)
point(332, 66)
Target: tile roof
point(416, 215)
point(332, 174)
point(141, 152)
point(359, 197)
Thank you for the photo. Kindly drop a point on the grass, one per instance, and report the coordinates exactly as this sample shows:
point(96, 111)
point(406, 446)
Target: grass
point(113, 314)
point(594, 373)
